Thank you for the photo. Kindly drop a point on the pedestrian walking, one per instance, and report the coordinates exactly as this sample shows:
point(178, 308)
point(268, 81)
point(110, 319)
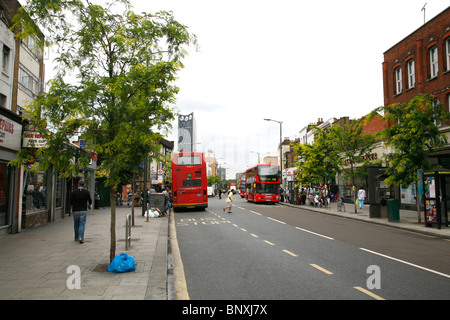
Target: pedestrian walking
point(303, 195)
point(361, 197)
point(167, 203)
point(129, 197)
point(96, 199)
point(229, 201)
point(80, 201)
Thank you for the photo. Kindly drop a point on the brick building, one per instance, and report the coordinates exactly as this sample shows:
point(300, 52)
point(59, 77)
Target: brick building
point(420, 63)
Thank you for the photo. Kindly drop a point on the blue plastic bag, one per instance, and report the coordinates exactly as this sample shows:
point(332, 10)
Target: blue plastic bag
point(122, 263)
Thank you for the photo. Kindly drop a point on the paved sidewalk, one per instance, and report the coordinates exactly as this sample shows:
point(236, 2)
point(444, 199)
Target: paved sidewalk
point(408, 218)
point(34, 263)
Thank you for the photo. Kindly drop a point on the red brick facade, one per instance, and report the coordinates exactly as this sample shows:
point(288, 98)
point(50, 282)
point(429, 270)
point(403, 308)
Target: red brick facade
point(420, 63)
point(374, 126)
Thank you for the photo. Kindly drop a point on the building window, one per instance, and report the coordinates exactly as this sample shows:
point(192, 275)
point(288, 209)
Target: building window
point(3, 101)
point(32, 46)
point(411, 74)
point(398, 80)
point(447, 51)
point(35, 192)
point(448, 102)
point(28, 82)
point(5, 59)
point(433, 62)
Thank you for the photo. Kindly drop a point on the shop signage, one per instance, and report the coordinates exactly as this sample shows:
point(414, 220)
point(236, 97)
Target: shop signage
point(370, 157)
point(30, 137)
point(10, 133)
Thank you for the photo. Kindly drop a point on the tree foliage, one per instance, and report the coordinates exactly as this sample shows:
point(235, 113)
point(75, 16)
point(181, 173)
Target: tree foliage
point(319, 161)
point(353, 146)
point(413, 135)
point(125, 66)
point(115, 82)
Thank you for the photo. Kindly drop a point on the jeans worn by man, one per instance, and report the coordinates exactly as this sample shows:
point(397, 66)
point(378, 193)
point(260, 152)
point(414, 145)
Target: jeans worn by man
point(79, 223)
point(80, 201)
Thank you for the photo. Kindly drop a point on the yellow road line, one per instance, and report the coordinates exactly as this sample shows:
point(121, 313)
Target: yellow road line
point(321, 269)
point(268, 242)
point(243, 229)
point(288, 252)
point(373, 295)
point(253, 235)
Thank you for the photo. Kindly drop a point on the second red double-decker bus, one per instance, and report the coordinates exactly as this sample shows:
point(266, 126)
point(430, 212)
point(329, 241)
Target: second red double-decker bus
point(242, 185)
point(263, 183)
point(189, 184)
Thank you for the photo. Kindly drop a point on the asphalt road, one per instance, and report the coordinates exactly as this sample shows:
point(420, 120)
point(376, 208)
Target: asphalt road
point(275, 252)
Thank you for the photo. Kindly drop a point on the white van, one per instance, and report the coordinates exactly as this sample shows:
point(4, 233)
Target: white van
point(210, 191)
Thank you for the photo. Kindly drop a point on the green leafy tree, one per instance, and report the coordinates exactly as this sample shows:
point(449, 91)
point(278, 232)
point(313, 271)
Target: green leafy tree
point(124, 65)
point(213, 180)
point(318, 161)
point(413, 134)
point(353, 146)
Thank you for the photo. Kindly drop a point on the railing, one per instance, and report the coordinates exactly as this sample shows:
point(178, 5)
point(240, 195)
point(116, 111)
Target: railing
point(128, 232)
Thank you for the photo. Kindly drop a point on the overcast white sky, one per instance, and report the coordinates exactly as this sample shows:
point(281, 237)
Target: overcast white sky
point(289, 60)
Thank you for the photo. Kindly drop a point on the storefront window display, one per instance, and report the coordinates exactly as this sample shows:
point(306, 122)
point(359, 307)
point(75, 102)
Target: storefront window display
point(4, 193)
point(59, 192)
point(35, 192)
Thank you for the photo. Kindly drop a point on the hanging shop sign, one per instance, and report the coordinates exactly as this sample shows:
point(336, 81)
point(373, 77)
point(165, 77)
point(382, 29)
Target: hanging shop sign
point(33, 139)
point(10, 133)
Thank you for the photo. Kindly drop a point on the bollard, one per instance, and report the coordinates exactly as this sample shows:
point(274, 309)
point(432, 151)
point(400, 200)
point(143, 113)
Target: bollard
point(128, 232)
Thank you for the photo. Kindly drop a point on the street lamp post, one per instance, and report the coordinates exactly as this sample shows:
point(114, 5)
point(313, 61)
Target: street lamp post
point(281, 152)
point(256, 153)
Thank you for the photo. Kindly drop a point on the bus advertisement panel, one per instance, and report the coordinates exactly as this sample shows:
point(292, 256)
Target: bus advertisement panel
point(189, 183)
point(263, 183)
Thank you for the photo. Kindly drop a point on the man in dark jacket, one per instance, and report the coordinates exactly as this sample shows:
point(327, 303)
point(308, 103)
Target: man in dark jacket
point(80, 201)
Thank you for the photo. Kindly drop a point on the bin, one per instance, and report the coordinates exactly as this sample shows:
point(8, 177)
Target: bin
point(393, 210)
point(157, 201)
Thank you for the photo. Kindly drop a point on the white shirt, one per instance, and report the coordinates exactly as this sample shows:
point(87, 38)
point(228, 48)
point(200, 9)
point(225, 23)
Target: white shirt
point(361, 194)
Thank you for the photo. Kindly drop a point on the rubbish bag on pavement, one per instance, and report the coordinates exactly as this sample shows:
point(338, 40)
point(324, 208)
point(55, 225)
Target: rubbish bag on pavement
point(122, 263)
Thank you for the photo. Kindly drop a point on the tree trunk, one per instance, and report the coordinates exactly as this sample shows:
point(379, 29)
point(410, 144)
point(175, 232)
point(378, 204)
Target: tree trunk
point(354, 194)
point(132, 198)
point(112, 250)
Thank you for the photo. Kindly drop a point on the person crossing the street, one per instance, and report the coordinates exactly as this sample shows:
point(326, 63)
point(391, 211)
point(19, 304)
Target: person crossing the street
point(229, 201)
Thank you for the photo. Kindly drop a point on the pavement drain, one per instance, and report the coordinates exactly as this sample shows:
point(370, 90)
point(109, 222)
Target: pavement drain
point(101, 268)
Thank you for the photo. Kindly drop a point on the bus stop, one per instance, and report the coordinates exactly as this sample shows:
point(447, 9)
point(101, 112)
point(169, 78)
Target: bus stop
point(436, 192)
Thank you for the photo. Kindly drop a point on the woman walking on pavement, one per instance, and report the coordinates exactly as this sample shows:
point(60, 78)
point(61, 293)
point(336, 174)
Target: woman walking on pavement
point(361, 197)
point(229, 201)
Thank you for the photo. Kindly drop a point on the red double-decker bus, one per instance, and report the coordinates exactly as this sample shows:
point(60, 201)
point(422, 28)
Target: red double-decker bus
point(263, 183)
point(189, 184)
point(242, 185)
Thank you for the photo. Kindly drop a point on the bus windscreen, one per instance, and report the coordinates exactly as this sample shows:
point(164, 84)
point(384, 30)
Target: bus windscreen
point(268, 173)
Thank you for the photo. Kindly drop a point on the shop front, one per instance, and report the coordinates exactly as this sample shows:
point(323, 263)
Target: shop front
point(44, 193)
point(10, 144)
